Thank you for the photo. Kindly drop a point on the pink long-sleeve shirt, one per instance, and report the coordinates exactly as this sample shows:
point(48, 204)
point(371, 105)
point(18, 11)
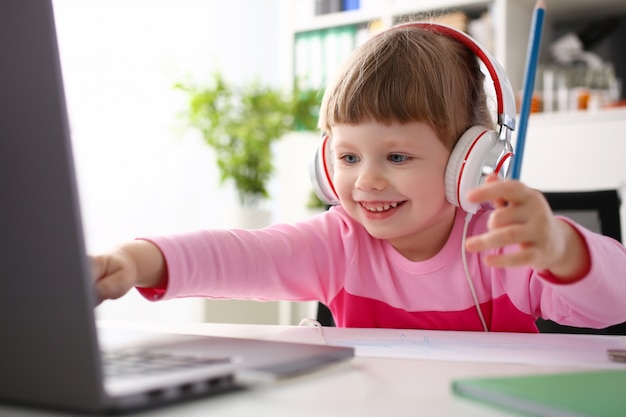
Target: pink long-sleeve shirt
point(366, 283)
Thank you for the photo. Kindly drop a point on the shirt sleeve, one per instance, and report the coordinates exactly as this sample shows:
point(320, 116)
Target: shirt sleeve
point(597, 299)
point(280, 262)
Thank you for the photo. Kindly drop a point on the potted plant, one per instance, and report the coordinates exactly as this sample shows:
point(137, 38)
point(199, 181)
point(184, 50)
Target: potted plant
point(242, 122)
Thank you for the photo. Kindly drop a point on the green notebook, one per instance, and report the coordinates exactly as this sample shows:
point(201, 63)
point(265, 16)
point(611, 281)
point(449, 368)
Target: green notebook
point(598, 393)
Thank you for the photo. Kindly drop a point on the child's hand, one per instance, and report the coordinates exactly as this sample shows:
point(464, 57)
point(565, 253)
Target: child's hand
point(135, 264)
point(523, 217)
point(115, 274)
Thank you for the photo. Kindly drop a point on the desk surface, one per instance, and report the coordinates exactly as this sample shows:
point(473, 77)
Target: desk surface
point(364, 386)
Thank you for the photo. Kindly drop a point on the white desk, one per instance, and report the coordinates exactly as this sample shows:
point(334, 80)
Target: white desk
point(364, 386)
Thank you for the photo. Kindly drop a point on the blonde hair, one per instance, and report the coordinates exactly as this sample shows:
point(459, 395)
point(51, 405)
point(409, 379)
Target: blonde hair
point(406, 74)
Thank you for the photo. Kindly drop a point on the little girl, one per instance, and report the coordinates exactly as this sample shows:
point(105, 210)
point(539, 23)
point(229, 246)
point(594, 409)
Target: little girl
point(392, 251)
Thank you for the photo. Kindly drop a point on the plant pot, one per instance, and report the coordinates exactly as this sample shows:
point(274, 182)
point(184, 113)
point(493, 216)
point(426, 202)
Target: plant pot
point(248, 218)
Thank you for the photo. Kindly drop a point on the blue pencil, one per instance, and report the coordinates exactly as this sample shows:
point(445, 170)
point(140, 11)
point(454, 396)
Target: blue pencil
point(529, 85)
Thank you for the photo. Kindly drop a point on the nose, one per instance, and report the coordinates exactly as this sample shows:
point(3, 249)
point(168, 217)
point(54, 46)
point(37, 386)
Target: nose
point(371, 178)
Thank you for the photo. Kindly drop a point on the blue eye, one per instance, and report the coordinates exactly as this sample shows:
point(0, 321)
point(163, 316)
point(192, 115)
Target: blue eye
point(397, 158)
point(350, 159)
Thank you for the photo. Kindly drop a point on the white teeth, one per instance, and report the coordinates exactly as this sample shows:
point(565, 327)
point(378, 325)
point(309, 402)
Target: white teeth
point(381, 208)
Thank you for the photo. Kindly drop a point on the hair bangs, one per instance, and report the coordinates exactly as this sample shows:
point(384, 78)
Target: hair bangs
point(405, 75)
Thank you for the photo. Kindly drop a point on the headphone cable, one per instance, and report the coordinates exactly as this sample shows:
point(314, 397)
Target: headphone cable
point(468, 217)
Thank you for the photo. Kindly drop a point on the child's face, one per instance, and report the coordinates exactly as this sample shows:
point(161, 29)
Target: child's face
point(391, 180)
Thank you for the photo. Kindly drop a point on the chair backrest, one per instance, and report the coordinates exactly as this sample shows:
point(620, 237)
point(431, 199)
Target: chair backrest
point(324, 316)
point(598, 211)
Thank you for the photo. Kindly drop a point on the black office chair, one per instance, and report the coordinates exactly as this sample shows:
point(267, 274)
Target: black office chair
point(324, 316)
point(598, 211)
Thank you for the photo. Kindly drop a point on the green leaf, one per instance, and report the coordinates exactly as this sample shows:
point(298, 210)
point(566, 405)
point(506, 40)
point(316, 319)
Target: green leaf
point(242, 122)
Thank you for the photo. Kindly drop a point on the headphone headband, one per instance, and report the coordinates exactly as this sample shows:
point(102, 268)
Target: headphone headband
point(504, 92)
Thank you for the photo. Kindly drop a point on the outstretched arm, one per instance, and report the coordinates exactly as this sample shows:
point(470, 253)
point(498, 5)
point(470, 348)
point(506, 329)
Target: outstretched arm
point(135, 264)
point(523, 217)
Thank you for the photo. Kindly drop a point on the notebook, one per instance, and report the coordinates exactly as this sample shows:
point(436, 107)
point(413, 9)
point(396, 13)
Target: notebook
point(50, 352)
point(599, 393)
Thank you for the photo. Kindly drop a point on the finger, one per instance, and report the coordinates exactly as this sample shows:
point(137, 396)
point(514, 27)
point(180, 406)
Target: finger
point(498, 192)
point(498, 202)
point(113, 286)
point(526, 255)
point(511, 216)
point(497, 238)
point(98, 266)
point(113, 277)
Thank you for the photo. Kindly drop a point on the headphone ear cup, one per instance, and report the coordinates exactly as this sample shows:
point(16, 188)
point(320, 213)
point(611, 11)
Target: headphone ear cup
point(321, 173)
point(466, 164)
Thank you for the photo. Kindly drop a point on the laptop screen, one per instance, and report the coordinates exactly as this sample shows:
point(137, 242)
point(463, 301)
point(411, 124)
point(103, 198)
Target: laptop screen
point(46, 300)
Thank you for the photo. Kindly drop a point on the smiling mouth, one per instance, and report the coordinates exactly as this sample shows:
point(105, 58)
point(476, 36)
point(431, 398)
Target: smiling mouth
point(379, 208)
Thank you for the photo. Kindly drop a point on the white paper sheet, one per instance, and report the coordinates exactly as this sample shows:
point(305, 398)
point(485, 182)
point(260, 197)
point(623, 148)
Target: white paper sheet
point(552, 349)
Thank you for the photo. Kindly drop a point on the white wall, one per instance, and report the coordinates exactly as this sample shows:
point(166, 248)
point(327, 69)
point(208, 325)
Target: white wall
point(140, 171)
point(577, 151)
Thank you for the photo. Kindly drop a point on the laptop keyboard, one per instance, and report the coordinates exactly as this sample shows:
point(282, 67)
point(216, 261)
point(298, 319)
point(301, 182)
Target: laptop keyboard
point(133, 362)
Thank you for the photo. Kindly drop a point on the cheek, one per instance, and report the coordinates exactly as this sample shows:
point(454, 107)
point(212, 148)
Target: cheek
point(436, 186)
point(425, 183)
point(413, 184)
point(343, 182)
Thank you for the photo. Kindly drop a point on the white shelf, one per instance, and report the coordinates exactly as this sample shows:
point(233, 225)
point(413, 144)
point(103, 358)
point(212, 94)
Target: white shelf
point(512, 19)
point(575, 9)
point(556, 10)
point(331, 20)
point(581, 117)
point(384, 10)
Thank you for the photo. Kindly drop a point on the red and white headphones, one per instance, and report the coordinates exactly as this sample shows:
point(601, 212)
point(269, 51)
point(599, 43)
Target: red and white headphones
point(478, 153)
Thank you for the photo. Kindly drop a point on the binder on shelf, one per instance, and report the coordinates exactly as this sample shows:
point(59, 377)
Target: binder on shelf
point(308, 59)
point(318, 54)
point(338, 43)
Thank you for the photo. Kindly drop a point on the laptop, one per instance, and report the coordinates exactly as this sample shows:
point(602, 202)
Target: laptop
point(50, 352)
